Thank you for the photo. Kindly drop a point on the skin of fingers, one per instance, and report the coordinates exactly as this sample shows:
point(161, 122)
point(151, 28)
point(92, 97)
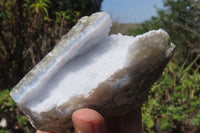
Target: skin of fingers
point(130, 122)
point(88, 121)
point(38, 131)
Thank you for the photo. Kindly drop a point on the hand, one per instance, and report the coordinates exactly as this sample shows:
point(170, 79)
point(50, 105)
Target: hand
point(89, 121)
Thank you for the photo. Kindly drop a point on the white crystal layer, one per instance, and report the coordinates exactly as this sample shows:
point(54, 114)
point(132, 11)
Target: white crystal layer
point(84, 72)
point(72, 78)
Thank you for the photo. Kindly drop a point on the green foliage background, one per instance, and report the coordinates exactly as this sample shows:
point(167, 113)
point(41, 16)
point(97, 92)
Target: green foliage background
point(173, 104)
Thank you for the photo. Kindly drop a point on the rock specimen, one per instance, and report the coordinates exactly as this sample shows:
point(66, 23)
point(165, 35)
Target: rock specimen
point(88, 68)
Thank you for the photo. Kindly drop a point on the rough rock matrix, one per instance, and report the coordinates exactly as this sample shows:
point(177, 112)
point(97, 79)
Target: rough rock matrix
point(89, 68)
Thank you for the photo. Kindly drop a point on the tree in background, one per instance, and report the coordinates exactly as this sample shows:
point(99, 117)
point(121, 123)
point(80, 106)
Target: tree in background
point(85, 7)
point(181, 19)
point(29, 29)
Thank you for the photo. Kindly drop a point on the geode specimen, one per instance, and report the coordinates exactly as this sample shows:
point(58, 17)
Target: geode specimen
point(89, 68)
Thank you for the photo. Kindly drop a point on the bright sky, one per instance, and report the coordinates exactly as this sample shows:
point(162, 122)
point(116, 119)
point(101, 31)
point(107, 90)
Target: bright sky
point(131, 11)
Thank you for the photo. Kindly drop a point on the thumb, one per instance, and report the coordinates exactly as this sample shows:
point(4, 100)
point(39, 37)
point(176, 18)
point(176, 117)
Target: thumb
point(88, 121)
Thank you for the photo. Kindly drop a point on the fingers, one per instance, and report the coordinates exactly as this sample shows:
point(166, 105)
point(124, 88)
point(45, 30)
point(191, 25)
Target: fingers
point(130, 122)
point(38, 131)
point(88, 121)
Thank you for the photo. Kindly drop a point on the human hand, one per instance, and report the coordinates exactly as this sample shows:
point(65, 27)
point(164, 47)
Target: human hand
point(90, 121)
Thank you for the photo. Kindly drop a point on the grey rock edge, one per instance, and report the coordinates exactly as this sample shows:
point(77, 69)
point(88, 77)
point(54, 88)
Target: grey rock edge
point(123, 91)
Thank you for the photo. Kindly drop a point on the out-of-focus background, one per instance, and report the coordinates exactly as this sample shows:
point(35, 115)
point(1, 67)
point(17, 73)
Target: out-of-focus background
point(29, 29)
